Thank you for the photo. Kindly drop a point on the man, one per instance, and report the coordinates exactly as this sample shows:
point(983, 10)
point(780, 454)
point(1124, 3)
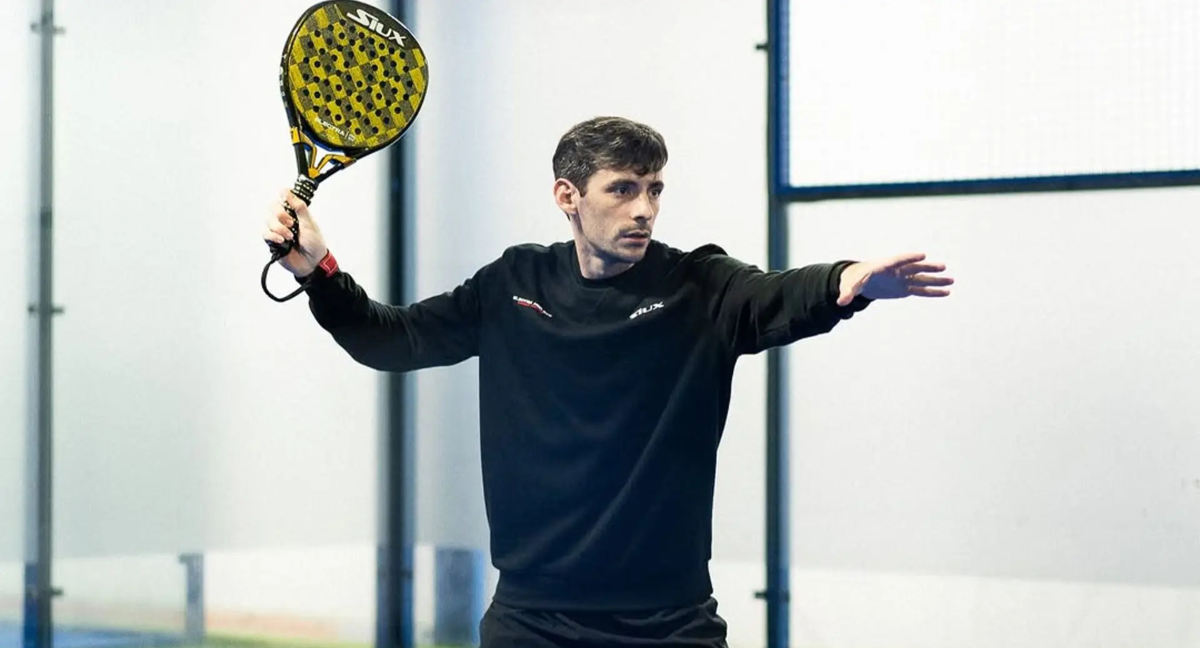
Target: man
point(605, 366)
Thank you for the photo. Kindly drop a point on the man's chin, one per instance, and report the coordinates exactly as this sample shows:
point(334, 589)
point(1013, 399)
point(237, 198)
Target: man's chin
point(633, 245)
point(627, 254)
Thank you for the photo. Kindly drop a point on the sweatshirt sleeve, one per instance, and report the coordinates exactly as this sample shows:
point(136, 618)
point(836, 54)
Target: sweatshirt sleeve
point(756, 310)
point(438, 331)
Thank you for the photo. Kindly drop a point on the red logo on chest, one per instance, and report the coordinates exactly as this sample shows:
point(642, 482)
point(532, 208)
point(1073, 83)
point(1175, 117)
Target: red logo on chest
point(529, 303)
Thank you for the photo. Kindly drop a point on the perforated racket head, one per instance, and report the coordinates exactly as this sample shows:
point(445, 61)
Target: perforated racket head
point(353, 79)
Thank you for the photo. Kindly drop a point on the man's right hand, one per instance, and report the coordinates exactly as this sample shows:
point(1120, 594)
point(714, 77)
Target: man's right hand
point(300, 261)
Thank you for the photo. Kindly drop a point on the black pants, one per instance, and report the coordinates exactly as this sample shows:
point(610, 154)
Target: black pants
point(697, 626)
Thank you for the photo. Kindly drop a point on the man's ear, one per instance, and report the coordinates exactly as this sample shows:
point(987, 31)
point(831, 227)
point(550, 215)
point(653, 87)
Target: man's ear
point(566, 196)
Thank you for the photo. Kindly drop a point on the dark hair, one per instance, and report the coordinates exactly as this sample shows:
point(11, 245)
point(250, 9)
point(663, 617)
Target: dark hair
point(613, 143)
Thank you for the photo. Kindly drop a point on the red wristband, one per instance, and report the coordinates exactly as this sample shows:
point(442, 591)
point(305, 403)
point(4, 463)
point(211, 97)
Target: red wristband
point(328, 264)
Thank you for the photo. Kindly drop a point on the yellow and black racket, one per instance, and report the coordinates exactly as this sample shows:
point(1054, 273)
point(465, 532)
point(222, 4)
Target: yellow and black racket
point(353, 79)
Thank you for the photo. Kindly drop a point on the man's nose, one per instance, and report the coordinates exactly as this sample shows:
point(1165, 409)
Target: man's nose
point(643, 210)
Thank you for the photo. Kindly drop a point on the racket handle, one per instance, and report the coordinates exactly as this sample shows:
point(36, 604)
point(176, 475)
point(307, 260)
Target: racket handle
point(304, 188)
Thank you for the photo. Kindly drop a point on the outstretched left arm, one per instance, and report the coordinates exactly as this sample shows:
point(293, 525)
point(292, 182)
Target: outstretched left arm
point(756, 310)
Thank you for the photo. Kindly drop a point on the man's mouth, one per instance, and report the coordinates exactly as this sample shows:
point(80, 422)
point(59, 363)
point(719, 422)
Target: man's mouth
point(638, 234)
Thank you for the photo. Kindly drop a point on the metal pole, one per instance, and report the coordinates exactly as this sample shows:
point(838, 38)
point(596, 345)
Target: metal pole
point(39, 589)
point(193, 616)
point(395, 624)
point(394, 617)
point(778, 566)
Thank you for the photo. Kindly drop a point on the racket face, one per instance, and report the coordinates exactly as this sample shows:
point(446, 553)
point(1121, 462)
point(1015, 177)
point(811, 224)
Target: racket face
point(353, 77)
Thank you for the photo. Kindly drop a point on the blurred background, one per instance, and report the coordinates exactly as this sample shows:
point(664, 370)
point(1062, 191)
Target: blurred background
point(1018, 465)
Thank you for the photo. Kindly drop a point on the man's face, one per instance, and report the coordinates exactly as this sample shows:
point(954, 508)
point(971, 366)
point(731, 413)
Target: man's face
point(617, 213)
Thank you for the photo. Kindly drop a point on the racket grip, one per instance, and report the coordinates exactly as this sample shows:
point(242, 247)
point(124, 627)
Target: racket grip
point(280, 250)
point(304, 188)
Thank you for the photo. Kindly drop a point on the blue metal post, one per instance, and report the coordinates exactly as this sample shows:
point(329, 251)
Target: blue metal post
point(777, 593)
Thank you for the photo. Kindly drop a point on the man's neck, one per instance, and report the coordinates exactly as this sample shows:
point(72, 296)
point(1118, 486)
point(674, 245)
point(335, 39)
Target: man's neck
point(593, 265)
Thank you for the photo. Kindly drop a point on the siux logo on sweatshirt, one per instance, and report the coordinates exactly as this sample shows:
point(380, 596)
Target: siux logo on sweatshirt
point(529, 303)
point(646, 309)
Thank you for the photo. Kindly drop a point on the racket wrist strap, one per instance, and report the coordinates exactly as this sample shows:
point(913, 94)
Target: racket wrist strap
point(328, 265)
point(326, 268)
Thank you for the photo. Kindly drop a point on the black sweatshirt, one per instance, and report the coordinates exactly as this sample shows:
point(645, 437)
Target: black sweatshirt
point(602, 403)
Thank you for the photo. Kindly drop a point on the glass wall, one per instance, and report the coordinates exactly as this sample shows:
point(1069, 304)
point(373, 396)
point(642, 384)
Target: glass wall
point(216, 453)
point(18, 168)
point(1014, 465)
point(990, 90)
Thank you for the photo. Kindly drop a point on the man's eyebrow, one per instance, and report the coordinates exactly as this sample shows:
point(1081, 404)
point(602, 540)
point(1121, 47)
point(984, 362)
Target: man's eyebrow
point(629, 182)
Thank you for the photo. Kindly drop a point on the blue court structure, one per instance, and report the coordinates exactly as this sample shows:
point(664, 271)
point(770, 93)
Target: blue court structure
point(10, 637)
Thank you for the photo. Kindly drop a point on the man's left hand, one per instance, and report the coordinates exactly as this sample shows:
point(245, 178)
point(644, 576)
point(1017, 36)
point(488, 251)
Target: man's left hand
point(894, 278)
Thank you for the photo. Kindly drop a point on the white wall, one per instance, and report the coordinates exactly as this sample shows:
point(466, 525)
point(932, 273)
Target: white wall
point(18, 167)
point(192, 411)
point(1028, 445)
point(1015, 465)
point(918, 90)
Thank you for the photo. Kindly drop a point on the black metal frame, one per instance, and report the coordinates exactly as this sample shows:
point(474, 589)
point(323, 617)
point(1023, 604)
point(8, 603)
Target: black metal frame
point(394, 618)
point(39, 585)
point(1032, 184)
point(782, 193)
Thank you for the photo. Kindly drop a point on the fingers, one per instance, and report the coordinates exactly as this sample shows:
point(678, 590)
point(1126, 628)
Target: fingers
point(923, 285)
point(280, 223)
point(927, 280)
point(923, 291)
point(914, 268)
point(279, 213)
point(279, 232)
point(298, 207)
point(897, 262)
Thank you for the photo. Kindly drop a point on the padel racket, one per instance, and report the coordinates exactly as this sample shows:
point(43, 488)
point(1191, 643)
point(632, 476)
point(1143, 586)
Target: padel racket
point(353, 79)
